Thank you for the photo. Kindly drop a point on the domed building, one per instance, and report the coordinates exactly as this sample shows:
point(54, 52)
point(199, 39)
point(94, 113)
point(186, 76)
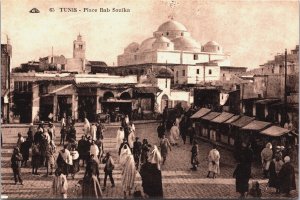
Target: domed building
point(173, 44)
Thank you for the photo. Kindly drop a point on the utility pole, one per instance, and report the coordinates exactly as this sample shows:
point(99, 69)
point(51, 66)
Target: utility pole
point(285, 88)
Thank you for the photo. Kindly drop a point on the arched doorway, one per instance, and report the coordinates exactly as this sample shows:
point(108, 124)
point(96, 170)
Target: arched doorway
point(164, 101)
point(125, 96)
point(108, 95)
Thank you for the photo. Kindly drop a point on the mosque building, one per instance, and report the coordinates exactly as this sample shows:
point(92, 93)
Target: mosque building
point(172, 46)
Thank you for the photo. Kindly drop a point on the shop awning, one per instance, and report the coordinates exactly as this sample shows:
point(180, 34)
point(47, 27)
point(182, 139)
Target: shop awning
point(275, 131)
point(232, 119)
point(256, 125)
point(243, 121)
point(200, 113)
point(211, 115)
point(223, 117)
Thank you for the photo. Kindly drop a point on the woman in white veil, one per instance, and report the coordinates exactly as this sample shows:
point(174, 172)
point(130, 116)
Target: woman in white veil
point(155, 157)
point(86, 127)
point(125, 152)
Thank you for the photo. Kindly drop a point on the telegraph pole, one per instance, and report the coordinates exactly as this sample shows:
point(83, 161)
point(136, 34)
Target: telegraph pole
point(285, 88)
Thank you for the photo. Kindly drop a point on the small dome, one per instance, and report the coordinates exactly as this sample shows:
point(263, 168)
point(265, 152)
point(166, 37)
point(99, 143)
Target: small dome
point(162, 39)
point(163, 43)
point(146, 45)
point(132, 48)
point(186, 44)
point(213, 47)
point(171, 25)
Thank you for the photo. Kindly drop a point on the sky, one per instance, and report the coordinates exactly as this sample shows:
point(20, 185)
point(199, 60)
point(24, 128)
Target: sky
point(252, 32)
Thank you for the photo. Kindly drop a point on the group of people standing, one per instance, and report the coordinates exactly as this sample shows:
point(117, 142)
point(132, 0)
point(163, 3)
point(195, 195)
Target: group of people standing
point(280, 172)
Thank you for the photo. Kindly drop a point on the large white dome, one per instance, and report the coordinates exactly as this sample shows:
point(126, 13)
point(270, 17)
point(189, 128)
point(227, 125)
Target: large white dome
point(171, 25)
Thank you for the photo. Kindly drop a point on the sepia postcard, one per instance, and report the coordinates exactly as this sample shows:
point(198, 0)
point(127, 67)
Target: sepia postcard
point(163, 99)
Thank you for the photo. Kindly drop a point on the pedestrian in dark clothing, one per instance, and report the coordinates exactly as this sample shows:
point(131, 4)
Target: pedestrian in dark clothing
point(242, 175)
point(108, 169)
point(122, 144)
point(25, 146)
point(35, 159)
point(126, 131)
point(100, 130)
point(275, 167)
point(16, 160)
point(194, 158)
point(92, 166)
point(137, 150)
point(192, 133)
point(161, 130)
point(145, 150)
point(62, 135)
point(30, 135)
point(151, 180)
point(91, 186)
point(287, 177)
point(38, 136)
point(43, 151)
point(183, 129)
point(83, 149)
point(72, 133)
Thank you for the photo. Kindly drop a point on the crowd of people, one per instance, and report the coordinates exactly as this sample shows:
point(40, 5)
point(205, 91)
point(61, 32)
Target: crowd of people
point(134, 157)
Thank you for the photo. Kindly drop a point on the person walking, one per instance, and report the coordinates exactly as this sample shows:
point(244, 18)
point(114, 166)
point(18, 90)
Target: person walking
point(194, 158)
point(91, 186)
point(131, 138)
point(86, 127)
point(128, 175)
point(30, 134)
point(60, 184)
point(35, 157)
point(94, 150)
point(25, 147)
point(137, 150)
point(94, 131)
point(192, 133)
point(74, 168)
point(50, 150)
point(164, 146)
point(183, 128)
point(62, 135)
point(275, 167)
point(108, 169)
point(83, 149)
point(155, 157)
point(92, 166)
point(51, 131)
point(64, 160)
point(174, 135)
point(242, 175)
point(120, 137)
point(287, 177)
point(213, 162)
point(20, 140)
point(123, 144)
point(100, 130)
point(266, 158)
point(145, 150)
point(99, 144)
point(160, 131)
point(16, 162)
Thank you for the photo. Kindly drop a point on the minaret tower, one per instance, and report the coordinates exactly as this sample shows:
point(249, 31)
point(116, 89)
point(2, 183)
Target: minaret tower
point(79, 48)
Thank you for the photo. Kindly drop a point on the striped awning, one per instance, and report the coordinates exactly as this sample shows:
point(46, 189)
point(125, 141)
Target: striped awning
point(232, 119)
point(223, 117)
point(200, 113)
point(275, 131)
point(256, 125)
point(243, 121)
point(211, 115)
